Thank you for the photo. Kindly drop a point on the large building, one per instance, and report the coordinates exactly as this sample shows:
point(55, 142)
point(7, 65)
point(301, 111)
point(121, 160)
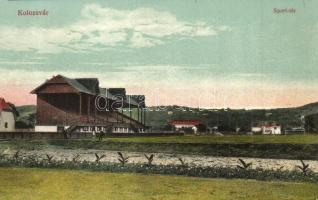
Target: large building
point(7, 117)
point(80, 105)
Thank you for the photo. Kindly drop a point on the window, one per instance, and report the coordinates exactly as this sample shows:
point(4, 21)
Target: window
point(6, 125)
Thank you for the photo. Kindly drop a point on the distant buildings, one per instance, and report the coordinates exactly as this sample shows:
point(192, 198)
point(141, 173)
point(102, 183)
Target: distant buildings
point(266, 128)
point(293, 130)
point(7, 117)
point(183, 125)
point(80, 105)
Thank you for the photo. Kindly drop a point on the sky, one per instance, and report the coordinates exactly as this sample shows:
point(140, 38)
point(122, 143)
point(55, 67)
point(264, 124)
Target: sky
point(199, 53)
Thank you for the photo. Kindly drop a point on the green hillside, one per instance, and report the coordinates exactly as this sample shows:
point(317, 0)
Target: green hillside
point(26, 118)
point(226, 119)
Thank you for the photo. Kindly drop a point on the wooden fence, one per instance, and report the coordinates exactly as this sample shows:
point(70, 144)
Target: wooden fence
point(31, 135)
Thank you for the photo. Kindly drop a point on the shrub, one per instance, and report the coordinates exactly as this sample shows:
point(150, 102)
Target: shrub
point(49, 158)
point(182, 162)
point(16, 155)
point(243, 164)
point(149, 159)
point(303, 167)
point(184, 170)
point(33, 158)
point(98, 158)
point(75, 159)
point(122, 159)
point(2, 155)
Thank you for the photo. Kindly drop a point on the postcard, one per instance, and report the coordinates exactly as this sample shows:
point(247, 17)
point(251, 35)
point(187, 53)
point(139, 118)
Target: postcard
point(148, 99)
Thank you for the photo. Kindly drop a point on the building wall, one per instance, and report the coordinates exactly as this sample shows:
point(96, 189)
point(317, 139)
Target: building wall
point(64, 110)
point(54, 110)
point(179, 126)
point(98, 129)
point(256, 129)
point(7, 122)
point(46, 129)
point(274, 130)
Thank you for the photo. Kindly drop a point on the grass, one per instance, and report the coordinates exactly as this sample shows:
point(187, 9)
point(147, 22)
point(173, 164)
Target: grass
point(21, 183)
point(251, 139)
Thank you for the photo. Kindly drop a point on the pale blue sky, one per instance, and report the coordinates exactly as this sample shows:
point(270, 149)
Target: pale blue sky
point(234, 47)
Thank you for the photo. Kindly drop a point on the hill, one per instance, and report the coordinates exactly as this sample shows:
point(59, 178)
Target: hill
point(26, 118)
point(226, 119)
point(229, 119)
point(308, 108)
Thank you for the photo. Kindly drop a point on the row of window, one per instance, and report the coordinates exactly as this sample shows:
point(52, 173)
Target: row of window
point(105, 129)
point(120, 130)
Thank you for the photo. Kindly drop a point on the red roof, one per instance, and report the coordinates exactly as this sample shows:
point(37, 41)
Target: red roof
point(4, 105)
point(185, 122)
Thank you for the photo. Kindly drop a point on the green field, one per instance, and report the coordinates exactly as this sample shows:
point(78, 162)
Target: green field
point(21, 183)
point(255, 139)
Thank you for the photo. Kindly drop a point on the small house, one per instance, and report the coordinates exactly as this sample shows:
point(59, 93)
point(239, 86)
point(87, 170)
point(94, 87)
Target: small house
point(266, 128)
point(7, 117)
point(193, 125)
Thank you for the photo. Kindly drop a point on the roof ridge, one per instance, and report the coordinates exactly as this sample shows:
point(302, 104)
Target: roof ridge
point(77, 85)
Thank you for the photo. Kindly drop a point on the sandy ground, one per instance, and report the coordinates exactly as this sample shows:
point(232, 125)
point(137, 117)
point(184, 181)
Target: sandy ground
point(165, 159)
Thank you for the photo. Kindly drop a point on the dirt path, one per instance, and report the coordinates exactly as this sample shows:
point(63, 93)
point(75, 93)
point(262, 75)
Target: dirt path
point(166, 159)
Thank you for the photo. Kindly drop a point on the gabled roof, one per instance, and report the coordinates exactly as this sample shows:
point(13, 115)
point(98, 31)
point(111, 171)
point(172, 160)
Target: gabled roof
point(86, 85)
point(78, 86)
point(111, 94)
point(91, 86)
point(119, 92)
point(138, 100)
point(4, 105)
point(105, 93)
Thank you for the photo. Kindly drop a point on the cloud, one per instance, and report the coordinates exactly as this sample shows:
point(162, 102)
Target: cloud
point(36, 38)
point(101, 27)
point(21, 62)
point(138, 40)
point(205, 93)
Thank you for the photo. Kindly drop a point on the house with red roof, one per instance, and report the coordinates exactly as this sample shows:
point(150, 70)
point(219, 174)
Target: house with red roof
point(194, 125)
point(7, 118)
point(266, 128)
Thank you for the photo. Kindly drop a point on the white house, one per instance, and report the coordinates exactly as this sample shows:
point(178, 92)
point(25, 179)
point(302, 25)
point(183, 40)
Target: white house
point(267, 128)
point(7, 118)
point(272, 130)
point(182, 124)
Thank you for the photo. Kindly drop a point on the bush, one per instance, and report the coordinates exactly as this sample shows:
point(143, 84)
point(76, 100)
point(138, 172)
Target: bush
point(303, 167)
point(184, 170)
point(243, 164)
point(122, 159)
point(98, 158)
point(149, 159)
